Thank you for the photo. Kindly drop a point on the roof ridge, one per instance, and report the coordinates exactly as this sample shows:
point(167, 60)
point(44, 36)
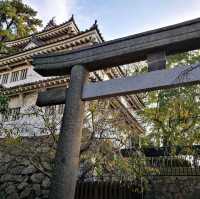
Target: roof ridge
point(71, 19)
point(95, 26)
point(51, 24)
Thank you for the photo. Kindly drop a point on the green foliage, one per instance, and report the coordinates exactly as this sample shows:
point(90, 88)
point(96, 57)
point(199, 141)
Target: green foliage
point(10, 140)
point(3, 104)
point(16, 20)
point(172, 115)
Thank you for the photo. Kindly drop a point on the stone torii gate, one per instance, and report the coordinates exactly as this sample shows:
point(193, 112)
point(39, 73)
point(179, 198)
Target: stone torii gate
point(152, 46)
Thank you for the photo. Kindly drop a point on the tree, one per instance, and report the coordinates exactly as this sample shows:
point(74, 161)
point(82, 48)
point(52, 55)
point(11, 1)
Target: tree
point(16, 20)
point(103, 138)
point(172, 115)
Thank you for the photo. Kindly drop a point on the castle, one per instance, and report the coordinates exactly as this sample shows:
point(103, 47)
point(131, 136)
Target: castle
point(22, 84)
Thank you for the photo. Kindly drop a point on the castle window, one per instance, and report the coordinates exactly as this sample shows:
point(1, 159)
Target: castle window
point(15, 113)
point(5, 117)
point(14, 76)
point(23, 74)
point(5, 78)
point(11, 115)
point(61, 108)
point(50, 110)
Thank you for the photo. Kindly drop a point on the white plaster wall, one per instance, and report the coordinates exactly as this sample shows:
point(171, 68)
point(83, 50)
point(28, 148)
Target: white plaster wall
point(32, 76)
point(29, 99)
point(15, 102)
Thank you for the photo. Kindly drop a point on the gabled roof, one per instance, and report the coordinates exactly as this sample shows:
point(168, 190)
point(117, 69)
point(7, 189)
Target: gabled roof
point(33, 43)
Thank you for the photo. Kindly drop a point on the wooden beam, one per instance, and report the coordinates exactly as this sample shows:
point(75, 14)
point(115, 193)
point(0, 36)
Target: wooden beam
point(51, 97)
point(179, 76)
point(172, 39)
point(160, 79)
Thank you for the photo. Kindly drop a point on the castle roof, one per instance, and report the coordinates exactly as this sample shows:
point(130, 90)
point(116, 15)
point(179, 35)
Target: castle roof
point(48, 32)
point(51, 39)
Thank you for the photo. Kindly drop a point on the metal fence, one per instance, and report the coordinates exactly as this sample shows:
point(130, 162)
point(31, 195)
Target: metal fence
point(107, 190)
point(186, 165)
point(185, 160)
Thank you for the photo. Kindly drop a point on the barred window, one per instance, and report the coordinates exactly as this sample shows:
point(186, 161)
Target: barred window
point(61, 108)
point(14, 76)
point(11, 115)
point(50, 110)
point(15, 113)
point(23, 74)
point(5, 78)
point(5, 117)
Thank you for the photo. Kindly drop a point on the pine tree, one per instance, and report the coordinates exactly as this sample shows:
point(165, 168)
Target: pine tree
point(16, 20)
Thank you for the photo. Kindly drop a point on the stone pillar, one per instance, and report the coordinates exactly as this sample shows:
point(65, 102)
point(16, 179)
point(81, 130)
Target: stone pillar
point(67, 156)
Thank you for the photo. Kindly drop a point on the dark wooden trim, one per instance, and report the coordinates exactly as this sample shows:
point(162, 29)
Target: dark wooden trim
point(51, 97)
point(172, 39)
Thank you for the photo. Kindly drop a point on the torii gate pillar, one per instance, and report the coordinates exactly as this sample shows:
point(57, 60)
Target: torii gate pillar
point(68, 149)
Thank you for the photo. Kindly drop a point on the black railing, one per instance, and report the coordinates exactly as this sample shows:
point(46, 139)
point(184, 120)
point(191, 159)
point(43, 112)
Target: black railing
point(174, 165)
point(107, 190)
point(185, 160)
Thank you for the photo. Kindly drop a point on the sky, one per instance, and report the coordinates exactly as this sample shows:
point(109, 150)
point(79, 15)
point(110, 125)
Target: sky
point(118, 18)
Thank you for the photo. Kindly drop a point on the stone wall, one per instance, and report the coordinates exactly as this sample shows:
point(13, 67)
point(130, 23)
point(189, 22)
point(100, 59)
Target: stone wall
point(25, 171)
point(26, 165)
point(174, 187)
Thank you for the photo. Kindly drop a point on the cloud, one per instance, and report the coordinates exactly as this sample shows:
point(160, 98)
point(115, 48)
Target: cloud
point(47, 9)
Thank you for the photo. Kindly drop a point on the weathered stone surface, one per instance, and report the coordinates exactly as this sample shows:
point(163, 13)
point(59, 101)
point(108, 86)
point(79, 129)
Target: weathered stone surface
point(29, 170)
point(171, 187)
point(22, 185)
point(46, 183)
point(37, 177)
point(11, 178)
point(10, 189)
point(46, 165)
point(45, 193)
point(3, 169)
point(16, 170)
point(6, 158)
point(13, 196)
point(36, 188)
point(25, 193)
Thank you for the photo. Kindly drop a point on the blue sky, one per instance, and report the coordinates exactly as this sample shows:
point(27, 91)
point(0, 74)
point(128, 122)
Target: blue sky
point(118, 18)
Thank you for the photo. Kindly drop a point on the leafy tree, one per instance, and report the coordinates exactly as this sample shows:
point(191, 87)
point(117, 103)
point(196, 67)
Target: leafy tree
point(172, 115)
point(103, 137)
point(16, 20)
